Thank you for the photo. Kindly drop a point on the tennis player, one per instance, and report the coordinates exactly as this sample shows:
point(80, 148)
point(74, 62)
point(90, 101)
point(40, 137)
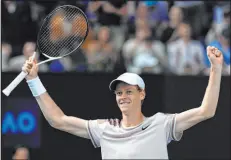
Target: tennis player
point(136, 136)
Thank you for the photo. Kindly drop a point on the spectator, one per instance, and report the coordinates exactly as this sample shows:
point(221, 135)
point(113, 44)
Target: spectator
point(150, 57)
point(101, 54)
point(158, 14)
point(6, 53)
point(62, 65)
point(139, 20)
point(17, 24)
point(137, 51)
point(195, 13)
point(93, 57)
point(185, 55)
point(131, 45)
point(21, 152)
point(110, 14)
point(167, 32)
point(221, 20)
point(79, 60)
point(138, 36)
point(16, 63)
point(223, 44)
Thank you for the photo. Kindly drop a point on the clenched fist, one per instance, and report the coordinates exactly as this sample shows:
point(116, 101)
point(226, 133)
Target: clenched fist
point(215, 56)
point(31, 68)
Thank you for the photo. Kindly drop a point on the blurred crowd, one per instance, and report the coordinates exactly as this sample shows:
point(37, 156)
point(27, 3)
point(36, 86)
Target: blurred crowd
point(155, 37)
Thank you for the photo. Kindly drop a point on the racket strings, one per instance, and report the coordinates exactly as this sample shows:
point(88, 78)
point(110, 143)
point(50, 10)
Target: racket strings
point(63, 19)
point(46, 34)
point(62, 32)
point(65, 42)
point(55, 23)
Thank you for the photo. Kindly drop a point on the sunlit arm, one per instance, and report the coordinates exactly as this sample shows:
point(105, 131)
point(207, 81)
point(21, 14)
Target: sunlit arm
point(57, 119)
point(207, 110)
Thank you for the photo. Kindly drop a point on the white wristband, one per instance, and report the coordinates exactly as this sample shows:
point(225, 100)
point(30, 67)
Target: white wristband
point(36, 87)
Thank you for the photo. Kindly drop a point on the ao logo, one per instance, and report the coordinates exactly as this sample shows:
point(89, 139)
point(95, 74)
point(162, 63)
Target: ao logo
point(24, 123)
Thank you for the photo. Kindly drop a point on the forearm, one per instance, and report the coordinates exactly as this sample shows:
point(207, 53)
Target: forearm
point(189, 118)
point(50, 110)
point(210, 100)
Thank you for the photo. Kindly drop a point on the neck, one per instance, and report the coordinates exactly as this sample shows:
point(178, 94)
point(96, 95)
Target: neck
point(132, 119)
point(186, 40)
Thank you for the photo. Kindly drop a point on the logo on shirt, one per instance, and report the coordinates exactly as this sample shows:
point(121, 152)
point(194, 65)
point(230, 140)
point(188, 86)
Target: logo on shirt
point(144, 127)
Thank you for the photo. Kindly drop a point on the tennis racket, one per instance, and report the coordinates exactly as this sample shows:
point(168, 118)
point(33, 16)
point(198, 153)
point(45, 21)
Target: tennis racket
point(61, 33)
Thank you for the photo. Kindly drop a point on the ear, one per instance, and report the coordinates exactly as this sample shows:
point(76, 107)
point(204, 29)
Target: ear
point(142, 94)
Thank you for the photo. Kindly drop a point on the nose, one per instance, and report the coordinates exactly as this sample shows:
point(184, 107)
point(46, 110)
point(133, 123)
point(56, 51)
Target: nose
point(123, 95)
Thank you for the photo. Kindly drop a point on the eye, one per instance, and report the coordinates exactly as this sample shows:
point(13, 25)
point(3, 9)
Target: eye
point(129, 92)
point(118, 93)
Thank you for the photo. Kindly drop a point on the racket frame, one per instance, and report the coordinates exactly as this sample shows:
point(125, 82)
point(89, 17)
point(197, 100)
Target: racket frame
point(7, 91)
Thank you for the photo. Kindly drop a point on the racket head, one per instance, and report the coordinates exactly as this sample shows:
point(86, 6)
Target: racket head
point(62, 31)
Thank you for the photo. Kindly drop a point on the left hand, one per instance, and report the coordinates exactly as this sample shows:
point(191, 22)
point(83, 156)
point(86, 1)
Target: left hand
point(215, 56)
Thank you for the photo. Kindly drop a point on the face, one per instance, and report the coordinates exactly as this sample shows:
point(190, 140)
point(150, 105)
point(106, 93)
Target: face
point(93, 48)
point(128, 97)
point(104, 34)
point(29, 48)
point(21, 153)
point(142, 11)
point(175, 15)
point(6, 49)
point(184, 30)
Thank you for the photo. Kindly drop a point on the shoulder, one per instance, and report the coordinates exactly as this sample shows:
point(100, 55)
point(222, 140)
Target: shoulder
point(97, 124)
point(158, 44)
point(129, 42)
point(173, 44)
point(178, 41)
point(17, 58)
point(196, 43)
point(161, 116)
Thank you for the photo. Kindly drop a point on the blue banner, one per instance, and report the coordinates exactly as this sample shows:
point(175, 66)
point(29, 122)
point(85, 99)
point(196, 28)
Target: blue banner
point(20, 122)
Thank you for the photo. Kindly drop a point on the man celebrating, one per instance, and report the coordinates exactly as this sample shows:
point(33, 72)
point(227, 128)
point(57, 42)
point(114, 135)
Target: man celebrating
point(136, 136)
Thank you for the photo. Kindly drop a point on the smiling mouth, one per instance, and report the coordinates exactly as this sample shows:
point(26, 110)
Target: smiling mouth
point(122, 103)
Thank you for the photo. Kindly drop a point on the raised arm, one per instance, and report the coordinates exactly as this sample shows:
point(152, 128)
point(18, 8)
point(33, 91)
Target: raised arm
point(57, 119)
point(53, 114)
point(207, 110)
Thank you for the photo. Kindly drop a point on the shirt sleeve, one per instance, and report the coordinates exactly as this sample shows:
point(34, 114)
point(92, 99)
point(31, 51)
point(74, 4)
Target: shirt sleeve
point(169, 124)
point(95, 131)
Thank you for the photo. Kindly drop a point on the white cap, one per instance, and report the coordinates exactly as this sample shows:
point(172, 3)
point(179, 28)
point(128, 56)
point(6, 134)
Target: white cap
point(129, 78)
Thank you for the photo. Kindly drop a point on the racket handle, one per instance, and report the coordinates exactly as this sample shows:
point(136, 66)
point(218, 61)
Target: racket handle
point(14, 83)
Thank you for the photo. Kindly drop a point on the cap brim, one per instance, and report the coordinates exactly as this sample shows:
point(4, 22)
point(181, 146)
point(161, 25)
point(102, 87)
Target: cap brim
point(113, 84)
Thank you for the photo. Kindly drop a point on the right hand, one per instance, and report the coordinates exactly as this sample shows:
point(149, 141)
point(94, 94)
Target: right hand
point(31, 68)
